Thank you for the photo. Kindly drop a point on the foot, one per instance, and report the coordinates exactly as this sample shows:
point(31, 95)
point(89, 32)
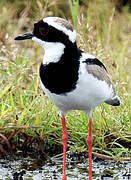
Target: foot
point(64, 177)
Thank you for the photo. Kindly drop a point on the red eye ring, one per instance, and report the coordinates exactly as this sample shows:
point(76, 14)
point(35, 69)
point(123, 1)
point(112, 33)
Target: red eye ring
point(45, 34)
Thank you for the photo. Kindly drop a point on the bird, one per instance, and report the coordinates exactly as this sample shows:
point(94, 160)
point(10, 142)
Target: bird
point(71, 78)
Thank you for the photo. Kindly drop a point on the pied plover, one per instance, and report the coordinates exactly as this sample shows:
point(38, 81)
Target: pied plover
point(71, 78)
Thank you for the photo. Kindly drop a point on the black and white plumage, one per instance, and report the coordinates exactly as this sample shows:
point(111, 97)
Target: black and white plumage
point(71, 78)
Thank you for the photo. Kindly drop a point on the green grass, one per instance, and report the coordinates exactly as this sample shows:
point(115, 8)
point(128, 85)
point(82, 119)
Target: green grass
point(103, 32)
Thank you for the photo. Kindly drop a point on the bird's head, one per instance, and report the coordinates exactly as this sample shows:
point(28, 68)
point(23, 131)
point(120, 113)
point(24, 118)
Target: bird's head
point(51, 30)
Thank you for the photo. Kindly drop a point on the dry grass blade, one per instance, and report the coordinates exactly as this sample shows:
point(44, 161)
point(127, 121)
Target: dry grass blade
point(102, 156)
point(7, 142)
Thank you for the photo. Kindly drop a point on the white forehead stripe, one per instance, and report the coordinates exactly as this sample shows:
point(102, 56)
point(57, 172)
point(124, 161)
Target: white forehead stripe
point(53, 22)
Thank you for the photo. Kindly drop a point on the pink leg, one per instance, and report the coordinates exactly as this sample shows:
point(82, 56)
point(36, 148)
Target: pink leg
point(89, 141)
point(64, 139)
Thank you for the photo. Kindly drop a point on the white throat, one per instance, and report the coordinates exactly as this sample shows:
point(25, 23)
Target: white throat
point(53, 50)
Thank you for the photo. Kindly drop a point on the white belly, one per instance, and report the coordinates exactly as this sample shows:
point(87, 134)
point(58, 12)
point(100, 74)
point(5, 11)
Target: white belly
point(89, 93)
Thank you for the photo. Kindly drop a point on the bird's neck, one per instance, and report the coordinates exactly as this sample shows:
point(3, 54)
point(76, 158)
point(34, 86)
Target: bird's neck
point(59, 70)
point(54, 52)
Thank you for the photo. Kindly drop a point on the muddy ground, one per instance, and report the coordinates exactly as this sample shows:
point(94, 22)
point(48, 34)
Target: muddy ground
point(33, 165)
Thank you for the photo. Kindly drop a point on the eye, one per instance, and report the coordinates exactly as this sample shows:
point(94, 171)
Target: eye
point(43, 31)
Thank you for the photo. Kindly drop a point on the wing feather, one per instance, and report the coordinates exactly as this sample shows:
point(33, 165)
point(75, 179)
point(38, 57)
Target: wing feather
point(98, 70)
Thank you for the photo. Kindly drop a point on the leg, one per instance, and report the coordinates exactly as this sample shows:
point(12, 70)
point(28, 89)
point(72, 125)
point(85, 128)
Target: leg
point(64, 139)
point(89, 141)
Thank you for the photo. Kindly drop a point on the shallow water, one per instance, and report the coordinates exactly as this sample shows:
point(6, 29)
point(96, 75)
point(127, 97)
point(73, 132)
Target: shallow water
point(77, 169)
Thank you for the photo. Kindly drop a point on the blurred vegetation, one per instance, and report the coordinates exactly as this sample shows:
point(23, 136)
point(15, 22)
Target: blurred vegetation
point(102, 30)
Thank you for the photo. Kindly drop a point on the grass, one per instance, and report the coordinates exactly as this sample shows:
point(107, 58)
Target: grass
point(103, 32)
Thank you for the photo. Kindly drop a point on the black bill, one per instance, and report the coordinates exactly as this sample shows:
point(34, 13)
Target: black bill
point(27, 35)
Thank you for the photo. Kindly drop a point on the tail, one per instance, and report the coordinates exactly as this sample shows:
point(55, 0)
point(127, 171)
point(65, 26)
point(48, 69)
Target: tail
point(114, 101)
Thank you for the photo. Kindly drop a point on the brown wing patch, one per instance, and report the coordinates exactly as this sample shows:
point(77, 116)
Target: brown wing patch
point(100, 73)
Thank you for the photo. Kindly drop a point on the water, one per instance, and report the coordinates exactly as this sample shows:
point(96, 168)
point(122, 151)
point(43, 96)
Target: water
point(77, 169)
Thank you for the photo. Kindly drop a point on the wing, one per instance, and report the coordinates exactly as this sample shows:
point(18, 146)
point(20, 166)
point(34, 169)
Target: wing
point(99, 71)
